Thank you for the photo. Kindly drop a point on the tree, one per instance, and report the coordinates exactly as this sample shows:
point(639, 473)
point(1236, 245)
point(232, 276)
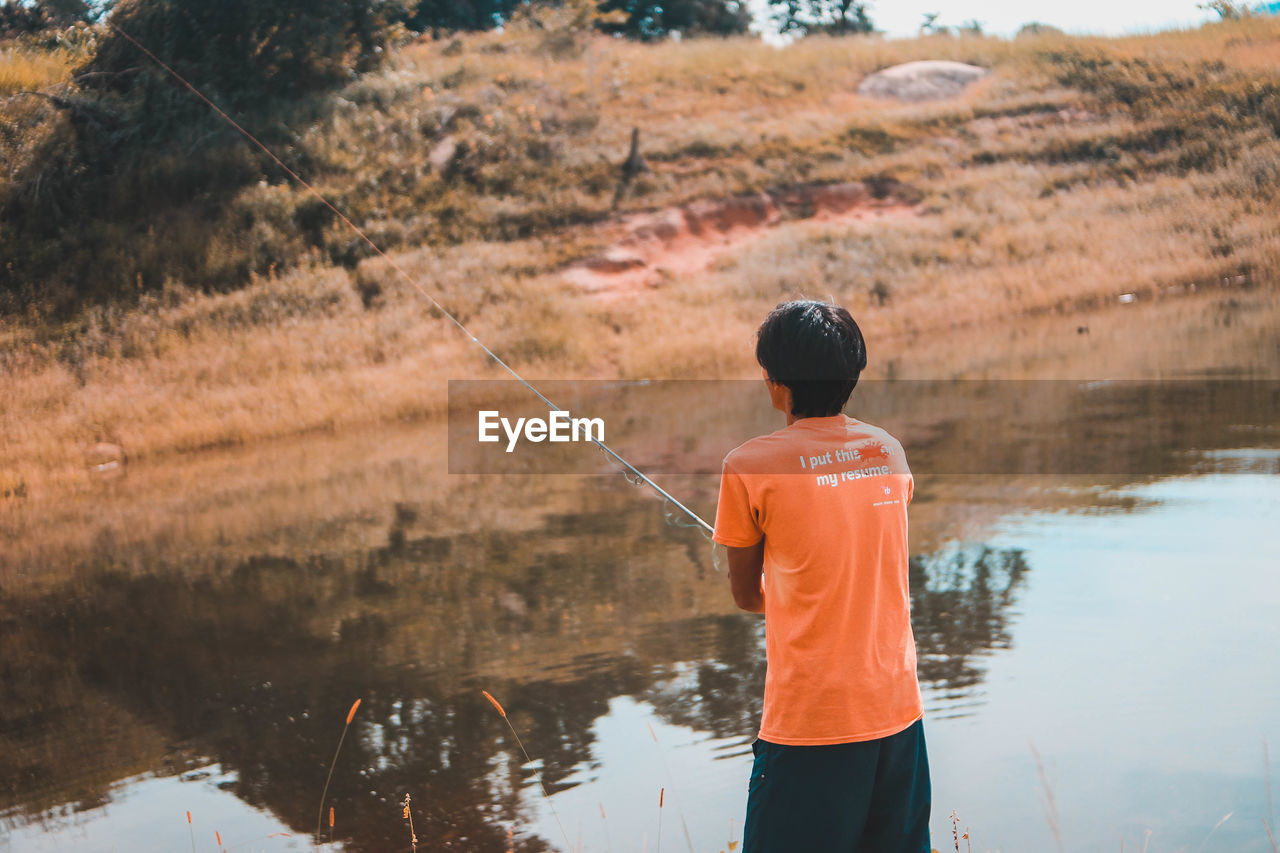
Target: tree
point(65, 12)
point(33, 16)
point(138, 178)
point(706, 17)
point(1035, 28)
point(971, 27)
point(243, 52)
point(453, 15)
point(1228, 10)
point(639, 19)
point(17, 18)
point(930, 26)
point(837, 17)
point(653, 19)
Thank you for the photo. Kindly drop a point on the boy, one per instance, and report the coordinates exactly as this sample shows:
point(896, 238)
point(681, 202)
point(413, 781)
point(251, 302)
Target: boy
point(814, 517)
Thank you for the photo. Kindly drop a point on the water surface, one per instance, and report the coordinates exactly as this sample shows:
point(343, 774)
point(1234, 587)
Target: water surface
point(1097, 651)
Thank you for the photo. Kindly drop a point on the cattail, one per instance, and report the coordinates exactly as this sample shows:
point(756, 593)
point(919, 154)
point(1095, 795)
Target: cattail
point(324, 793)
point(494, 702)
point(498, 705)
point(188, 818)
point(331, 817)
point(662, 793)
point(684, 825)
point(218, 835)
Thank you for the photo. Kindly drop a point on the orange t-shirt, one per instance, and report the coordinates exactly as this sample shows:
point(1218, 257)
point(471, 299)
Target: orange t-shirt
point(829, 495)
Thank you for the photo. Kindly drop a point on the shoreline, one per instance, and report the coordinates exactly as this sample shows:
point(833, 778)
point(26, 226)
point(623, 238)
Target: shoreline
point(904, 353)
point(233, 500)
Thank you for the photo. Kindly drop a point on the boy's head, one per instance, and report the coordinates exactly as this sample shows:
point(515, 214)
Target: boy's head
point(816, 350)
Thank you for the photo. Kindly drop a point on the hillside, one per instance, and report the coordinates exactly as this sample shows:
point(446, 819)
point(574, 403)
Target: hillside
point(1079, 170)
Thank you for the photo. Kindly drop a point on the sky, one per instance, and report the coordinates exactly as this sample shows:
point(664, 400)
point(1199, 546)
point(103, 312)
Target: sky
point(1004, 17)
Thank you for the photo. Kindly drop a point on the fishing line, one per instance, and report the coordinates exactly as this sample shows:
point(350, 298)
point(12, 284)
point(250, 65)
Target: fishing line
point(627, 468)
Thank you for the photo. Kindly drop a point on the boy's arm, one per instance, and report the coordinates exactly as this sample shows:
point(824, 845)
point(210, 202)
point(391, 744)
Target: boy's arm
point(746, 570)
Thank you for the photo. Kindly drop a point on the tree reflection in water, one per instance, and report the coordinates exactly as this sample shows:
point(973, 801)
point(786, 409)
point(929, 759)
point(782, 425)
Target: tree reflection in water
point(254, 663)
point(961, 609)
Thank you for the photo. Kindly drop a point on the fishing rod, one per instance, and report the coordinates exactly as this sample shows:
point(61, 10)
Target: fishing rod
point(629, 470)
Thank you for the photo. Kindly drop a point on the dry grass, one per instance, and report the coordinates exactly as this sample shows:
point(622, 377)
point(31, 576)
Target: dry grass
point(26, 70)
point(1072, 175)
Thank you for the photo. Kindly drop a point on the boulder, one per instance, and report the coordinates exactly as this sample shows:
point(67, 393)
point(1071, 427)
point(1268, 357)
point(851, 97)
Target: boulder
point(927, 80)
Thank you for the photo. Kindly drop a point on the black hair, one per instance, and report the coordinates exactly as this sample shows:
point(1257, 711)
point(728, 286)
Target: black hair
point(816, 350)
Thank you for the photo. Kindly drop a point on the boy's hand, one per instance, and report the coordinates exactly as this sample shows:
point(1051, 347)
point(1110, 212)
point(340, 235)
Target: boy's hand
point(746, 572)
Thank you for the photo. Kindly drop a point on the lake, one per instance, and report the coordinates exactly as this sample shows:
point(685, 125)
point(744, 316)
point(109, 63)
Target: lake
point(1094, 597)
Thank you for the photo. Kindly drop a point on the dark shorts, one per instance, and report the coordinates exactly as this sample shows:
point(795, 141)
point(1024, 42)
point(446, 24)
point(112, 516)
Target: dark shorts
point(866, 797)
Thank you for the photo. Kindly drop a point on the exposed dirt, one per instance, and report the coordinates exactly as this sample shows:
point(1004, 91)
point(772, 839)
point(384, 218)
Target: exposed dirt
point(648, 249)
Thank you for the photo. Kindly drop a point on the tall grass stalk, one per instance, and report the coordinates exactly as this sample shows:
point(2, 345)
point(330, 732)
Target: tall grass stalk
point(608, 842)
point(1051, 808)
point(408, 815)
point(1266, 778)
point(191, 829)
point(670, 781)
point(1226, 817)
point(320, 817)
point(536, 773)
point(662, 793)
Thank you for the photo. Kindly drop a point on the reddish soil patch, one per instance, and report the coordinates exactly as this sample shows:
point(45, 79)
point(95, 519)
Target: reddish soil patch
point(647, 249)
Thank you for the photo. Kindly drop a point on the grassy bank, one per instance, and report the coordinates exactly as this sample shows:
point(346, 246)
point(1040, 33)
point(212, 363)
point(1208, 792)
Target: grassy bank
point(1082, 169)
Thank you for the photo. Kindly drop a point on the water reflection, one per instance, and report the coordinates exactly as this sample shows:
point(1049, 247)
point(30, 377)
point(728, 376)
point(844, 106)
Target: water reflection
point(227, 613)
point(254, 662)
point(961, 610)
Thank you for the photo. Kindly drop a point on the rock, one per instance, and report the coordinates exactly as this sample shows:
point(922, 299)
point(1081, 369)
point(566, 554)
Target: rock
point(927, 80)
point(106, 458)
point(513, 604)
point(442, 154)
